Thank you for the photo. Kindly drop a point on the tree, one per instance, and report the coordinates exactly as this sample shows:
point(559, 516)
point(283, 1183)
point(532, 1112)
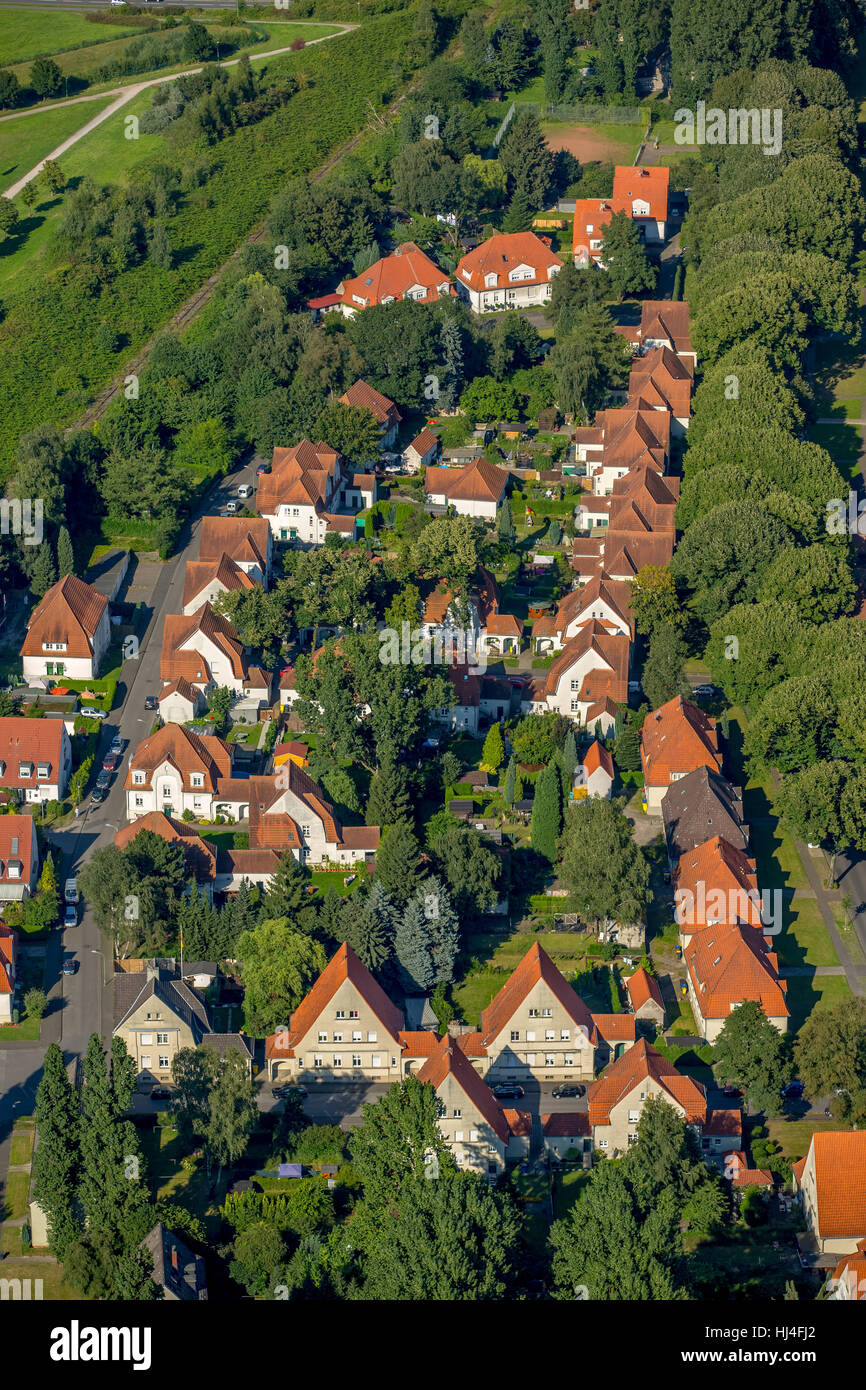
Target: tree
point(287, 895)
point(46, 79)
point(193, 1072)
point(233, 1110)
point(53, 176)
point(826, 802)
point(398, 867)
point(602, 867)
point(452, 1239)
point(278, 966)
point(258, 1252)
point(412, 949)
point(44, 572)
point(30, 195)
point(485, 398)
point(469, 867)
point(35, 1003)
point(510, 781)
point(526, 158)
point(8, 213)
point(664, 670)
point(448, 549)
point(830, 1053)
point(625, 259)
point(589, 362)
point(10, 89)
point(506, 528)
point(752, 1052)
point(723, 556)
point(198, 45)
point(353, 430)
point(57, 1155)
point(654, 601)
point(369, 925)
point(389, 801)
point(546, 822)
point(493, 752)
point(398, 1140)
point(534, 738)
point(519, 213)
point(65, 553)
point(452, 362)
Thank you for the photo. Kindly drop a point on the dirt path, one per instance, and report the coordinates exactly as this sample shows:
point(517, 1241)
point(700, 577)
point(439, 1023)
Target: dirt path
point(127, 94)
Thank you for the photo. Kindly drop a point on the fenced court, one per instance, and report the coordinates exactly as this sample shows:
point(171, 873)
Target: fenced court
point(607, 134)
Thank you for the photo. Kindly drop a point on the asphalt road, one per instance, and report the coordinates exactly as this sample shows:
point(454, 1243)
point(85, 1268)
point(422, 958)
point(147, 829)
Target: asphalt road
point(851, 876)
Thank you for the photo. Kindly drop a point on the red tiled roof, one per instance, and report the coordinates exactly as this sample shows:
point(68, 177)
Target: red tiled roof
point(420, 1044)
point(33, 741)
point(449, 1060)
point(723, 1123)
point(423, 442)
point(393, 276)
point(678, 737)
point(596, 757)
point(179, 659)
point(608, 678)
point(729, 963)
point(8, 957)
point(643, 987)
point(640, 1064)
point(615, 1028)
point(501, 254)
point(536, 965)
point(850, 1272)
point(566, 1124)
point(16, 846)
point(366, 397)
point(716, 866)
point(741, 1175)
point(303, 475)
point(225, 571)
point(840, 1183)
point(69, 612)
point(344, 965)
point(479, 481)
point(186, 751)
point(666, 320)
point(242, 538)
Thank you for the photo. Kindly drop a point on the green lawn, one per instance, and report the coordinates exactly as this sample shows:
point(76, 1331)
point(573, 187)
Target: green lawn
point(821, 991)
point(21, 1149)
point(16, 1195)
point(568, 1188)
point(475, 993)
point(49, 1271)
point(777, 860)
point(32, 33)
point(842, 442)
point(795, 1135)
point(804, 939)
point(26, 140)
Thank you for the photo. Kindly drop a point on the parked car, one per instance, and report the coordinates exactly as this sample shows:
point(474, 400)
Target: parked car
point(160, 1093)
point(262, 468)
point(70, 915)
point(151, 702)
point(231, 508)
point(91, 712)
point(104, 780)
point(70, 890)
point(731, 1091)
point(508, 1091)
point(793, 1090)
point(282, 1092)
point(245, 490)
point(117, 745)
point(566, 1092)
point(109, 762)
point(704, 690)
point(69, 967)
point(98, 794)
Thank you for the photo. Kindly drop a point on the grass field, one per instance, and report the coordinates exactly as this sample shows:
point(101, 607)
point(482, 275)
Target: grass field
point(21, 1149)
point(51, 1274)
point(32, 33)
point(16, 1193)
point(26, 140)
point(822, 991)
point(795, 1135)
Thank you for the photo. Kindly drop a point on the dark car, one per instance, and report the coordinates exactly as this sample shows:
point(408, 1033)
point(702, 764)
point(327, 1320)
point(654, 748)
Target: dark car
point(793, 1090)
point(70, 915)
point(104, 780)
point(508, 1091)
point(283, 1092)
point(262, 468)
point(98, 794)
point(566, 1092)
point(109, 762)
point(69, 967)
point(151, 702)
point(116, 746)
point(731, 1091)
point(159, 1093)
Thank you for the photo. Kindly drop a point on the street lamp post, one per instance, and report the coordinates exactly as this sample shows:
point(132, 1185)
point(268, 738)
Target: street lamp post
point(94, 951)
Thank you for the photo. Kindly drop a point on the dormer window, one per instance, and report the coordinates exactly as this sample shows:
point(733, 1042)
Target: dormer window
point(43, 769)
point(13, 868)
point(54, 646)
point(197, 779)
point(138, 779)
point(490, 280)
point(25, 770)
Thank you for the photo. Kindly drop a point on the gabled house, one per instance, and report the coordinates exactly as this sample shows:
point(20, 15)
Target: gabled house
point(205, 651)
point(199, 856)
point(676, 739)
point(617, 1098)
point(740, 1173)
point(406, 274)
point(462, 714)
point(19, 858)
point(645, 997)
point(476, 490)
point(474, 619)
point(660, 380)
point(180, 702)
point(472, 1123)
point(594, 774)
point(363, 396)
point(422, 451)
point(308, 493)
point(848, 1280)
point(157, 1014)
point(8, 965)
point(176, 1270)
point(726, 965)
point(589, 678)
point(831, 1185)
point(508, 271)
point(246, 540)
point(715, 883)
point(288, 811)
point(644, 501)
point(666, 323)
point(207, 580)
point(35, 757)
point(602, 600)
point(68, 633)
point(632, 438)
point(177, 770)
point(699, 806)
point(641, 191)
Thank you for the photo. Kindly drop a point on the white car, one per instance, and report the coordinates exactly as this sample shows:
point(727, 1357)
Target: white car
point(90, 712)
point(245, 490)
point(231, 508)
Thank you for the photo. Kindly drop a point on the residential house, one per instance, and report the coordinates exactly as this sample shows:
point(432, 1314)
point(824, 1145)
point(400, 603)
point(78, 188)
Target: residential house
point(588, 679)
point(508, 271)
point(157, 1014)
point(421, 453)
point(831, 1185)
point(207, 580)
point(666, 323)
point(740, 1173)
point(253, 867)
point(605, 601)
point(176, 1270)
point(180, 702)
point(308, 493)
point(697, 807)
point(288, 811)
point(645, 997)
point(848, 1280)
point(406, 274)
point(473, 1125)
point(639, 190)
point(476, 490)
point(462, 714)
point(567, 1133)
point(471, 624)
point(715, 883)
point(363, 396)
point(616, 1100)
point(177, 770)
point(594, 774)
point(660, 380)
point(246, 540)
point(205, 651)
point(8, 965)
point(200, 857)
point(68, 633)
point(35, 757)
point(631, 438)
point(676, 739)
point(727, 965)
point(19, 858)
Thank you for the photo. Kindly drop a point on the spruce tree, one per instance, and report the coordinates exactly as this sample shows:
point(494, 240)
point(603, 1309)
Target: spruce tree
point(493, 753)
point(505, 527)
point(510, 781)
point(518, 214)
point(547, 813)
point(398, 867)
point(389, 800)
point(65, 553)
point(58, 1155)
point(369, 925)
point(568, 759)
point(287, 893)
point(412, 949)
point(452, 361)
point(444, 928)
point(44, 572)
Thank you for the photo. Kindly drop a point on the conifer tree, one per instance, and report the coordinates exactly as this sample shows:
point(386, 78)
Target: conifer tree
point(547, 812)
point(57, 1156)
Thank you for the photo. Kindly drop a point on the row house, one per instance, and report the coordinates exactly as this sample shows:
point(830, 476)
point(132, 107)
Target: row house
point(205, 581)
point(363, 396)
point(35, 757)
point(68, 633)
point(640, 191)
point(19, 859)
point(623, 438)
point(662, 381)
point(201, 652)
point(8, 969)
point(848, 1280)
point(406, 274)
point(248, 541)
point(309, 492)
point(476, 490)
point(830, 1184)
point(665, 323)
point(480, 1134)
point(604, 601)
point(645, 997)
point(588, 679)
point(676, 739)
point(508, 271)
point(698, 806)
point(727, 965)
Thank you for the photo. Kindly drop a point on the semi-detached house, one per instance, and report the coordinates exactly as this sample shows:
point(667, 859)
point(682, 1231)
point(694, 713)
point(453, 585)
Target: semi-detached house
point(310, 492)
point(35, 757)
point(245, 540)
point(508, 271)
point(406, 274)
point(68, 633)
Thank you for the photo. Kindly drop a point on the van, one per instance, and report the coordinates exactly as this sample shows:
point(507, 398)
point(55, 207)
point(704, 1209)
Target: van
point(70, 892)
point(245, 490)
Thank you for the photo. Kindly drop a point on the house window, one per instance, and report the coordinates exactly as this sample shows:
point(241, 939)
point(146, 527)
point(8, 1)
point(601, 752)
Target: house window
point(530, 1037)
point(305, 831)
point(163, 1062)
point(575, 685)
point(318, 1062)
point(338, 1061)
point(533, 1013)
point(138, 779)
point(371, 1037)
point(356, 1060)
point(515, 1035)
point(456, 1114)
point(565, 1034)
point(162, 1039)
point(43, 769)
point(147, 1039)
point(145, 1060)
point(458, 1135)
point(568, 1059)
point(197, 779)
point(356, 1037)
point(549, 1059)
point(377, 1059)
point(546, 1013)
point(602, 1143)
point(341, 1013)
point(139, 801)
point(549, 1034)
point(575, 706)
point(338, 1037)
point(353, 1013)
point(530, 1059)
point(632, 1138)
point(323, 1037)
